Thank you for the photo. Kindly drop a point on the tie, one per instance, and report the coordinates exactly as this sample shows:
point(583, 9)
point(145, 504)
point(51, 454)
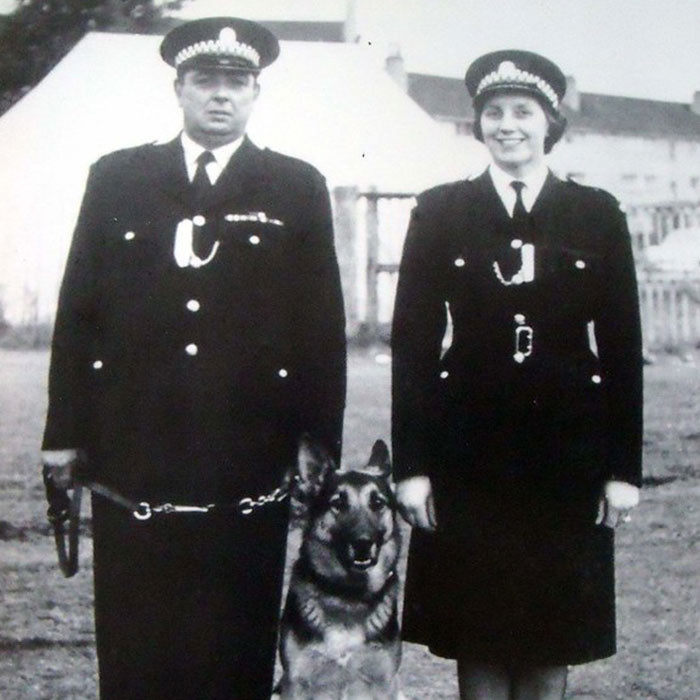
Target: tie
point(204, 235)
point(201, 184)
point(519, 211)
point(522, 225)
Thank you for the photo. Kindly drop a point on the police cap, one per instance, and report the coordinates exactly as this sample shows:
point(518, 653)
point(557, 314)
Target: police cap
point(226, 43)
point(516, 70)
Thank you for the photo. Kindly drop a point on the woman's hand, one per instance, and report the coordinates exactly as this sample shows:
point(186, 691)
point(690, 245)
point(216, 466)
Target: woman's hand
point(415, 497)
point(616, 501)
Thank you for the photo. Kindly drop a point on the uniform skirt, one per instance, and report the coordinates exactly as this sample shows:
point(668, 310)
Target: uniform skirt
point(187, 605)
point(515, 579)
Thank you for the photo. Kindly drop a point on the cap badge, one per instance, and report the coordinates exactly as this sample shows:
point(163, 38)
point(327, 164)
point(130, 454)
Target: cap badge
point(228, 38)
point(507, 70)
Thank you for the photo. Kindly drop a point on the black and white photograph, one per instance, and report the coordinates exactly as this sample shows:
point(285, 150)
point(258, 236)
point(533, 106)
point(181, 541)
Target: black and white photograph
point(349, 350)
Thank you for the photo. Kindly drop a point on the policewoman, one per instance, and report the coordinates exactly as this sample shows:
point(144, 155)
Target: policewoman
point(518, 448)
point(199, 334)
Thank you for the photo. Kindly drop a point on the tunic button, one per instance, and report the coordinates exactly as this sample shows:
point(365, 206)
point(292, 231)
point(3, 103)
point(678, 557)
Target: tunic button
point(596, 379)
point(97, 364)
point(254, 240)
point(283, 373)
point(460, 262)
point(516, 243)
point(519, 357)
point(192, 349)
point(129, 236)
point(199, 220)
point(193, 305)
point(444, 374)
point(581, 264)
point(519, 318)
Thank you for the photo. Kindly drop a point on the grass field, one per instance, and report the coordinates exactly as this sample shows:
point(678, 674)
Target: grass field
point(46, 631)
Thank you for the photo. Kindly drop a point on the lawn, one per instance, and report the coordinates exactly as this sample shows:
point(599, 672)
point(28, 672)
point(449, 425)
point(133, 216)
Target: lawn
point(46, 632)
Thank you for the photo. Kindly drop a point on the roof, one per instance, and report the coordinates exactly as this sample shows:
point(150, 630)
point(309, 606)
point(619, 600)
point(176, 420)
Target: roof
point(331, 104)
point(447, 98)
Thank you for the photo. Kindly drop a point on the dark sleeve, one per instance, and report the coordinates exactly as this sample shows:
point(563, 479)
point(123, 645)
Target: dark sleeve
point(419, 323)
point(67, 422)
point(619, 337)
point(321, 326)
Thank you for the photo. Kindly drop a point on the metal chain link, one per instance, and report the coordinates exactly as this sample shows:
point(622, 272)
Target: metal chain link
point(248, 505)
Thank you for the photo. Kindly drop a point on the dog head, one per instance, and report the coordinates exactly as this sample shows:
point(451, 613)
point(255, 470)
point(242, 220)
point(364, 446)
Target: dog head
point(351, 535)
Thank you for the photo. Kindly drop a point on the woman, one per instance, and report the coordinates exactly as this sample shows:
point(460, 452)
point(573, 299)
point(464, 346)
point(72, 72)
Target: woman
point(518, 449)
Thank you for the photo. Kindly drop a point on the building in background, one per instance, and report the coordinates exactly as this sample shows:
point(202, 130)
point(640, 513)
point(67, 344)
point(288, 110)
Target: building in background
point(643, 151)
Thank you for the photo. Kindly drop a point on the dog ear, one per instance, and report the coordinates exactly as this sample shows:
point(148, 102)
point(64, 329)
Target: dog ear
point(379, 460)
point(313, 461)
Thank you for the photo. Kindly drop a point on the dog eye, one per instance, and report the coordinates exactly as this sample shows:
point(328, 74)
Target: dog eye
point(376, 502)
point(337, 502)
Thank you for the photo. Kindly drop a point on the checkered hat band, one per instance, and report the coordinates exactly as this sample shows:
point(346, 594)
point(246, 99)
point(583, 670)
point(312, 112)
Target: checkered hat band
point(519, 78)
point(216, 48)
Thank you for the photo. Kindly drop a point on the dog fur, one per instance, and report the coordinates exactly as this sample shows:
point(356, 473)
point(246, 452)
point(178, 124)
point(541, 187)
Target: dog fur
point(339, 636)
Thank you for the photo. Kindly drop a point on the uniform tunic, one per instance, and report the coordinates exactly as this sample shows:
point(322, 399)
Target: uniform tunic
point(191, 383)
point(517, 451)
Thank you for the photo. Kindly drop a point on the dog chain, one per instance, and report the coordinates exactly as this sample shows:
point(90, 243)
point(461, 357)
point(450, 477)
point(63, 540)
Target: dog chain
point(248, 505)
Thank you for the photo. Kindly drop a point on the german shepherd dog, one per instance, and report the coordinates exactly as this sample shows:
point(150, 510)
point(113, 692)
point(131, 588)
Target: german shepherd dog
point(339, 635)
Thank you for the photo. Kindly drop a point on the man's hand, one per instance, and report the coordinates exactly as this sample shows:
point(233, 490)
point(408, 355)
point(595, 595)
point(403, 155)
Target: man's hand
point(415, 497)
point(60, 467)
point(616, 501)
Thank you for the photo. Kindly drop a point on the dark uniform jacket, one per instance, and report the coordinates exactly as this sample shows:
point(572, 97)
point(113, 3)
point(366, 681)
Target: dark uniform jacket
point(268, 329)
point(519, 423)
point(569, 414)
point(192, 384)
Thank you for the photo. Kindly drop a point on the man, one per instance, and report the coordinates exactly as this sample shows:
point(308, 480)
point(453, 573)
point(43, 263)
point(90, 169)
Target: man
point(199, 334)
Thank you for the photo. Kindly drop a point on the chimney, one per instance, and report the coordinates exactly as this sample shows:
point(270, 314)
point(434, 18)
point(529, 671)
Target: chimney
point(395, 67)
point(350, 33)
point(695, 104)
point(572, 98)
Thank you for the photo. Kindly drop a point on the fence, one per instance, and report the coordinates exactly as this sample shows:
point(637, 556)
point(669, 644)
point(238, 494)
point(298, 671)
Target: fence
point(371, 226)
point(670, 310)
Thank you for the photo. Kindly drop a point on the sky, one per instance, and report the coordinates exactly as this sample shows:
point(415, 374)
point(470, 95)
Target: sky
point(637, 48)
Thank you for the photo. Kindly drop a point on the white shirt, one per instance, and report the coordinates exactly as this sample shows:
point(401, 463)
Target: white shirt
point(533, 186)
point(222, 156)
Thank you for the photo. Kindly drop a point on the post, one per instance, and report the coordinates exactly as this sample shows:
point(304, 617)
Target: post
point(345, 221)
point(372, 228)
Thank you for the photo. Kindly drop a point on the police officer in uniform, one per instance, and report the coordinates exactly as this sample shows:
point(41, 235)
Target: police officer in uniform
point(199, 334)
point(518, 449)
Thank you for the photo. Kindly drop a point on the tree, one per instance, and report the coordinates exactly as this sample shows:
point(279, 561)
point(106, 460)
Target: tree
point(41, 32)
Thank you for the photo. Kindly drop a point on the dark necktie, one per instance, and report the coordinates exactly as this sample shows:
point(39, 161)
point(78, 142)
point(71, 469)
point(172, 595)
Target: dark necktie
point(519, 211)
point(522, 226)
point(204, 234)
point(201, 184)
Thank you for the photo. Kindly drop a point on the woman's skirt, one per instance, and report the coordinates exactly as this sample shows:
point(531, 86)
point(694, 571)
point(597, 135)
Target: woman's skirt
point(513, 579)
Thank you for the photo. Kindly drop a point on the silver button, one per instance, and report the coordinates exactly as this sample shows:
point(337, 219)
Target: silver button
point(516, 243)
point(519, 357)
point(199, 220)
point(581, 264)
point(460, 262)
point(192, 349)
point(283, 373)
point(519, 318)
point(444, 374)
point(193, 305)
point(97, 364)
point(596, 379)
point(230, 217)
point(254, 240)
point(129, 236)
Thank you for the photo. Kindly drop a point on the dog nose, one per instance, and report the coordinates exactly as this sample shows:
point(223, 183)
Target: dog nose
point(363, 548)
